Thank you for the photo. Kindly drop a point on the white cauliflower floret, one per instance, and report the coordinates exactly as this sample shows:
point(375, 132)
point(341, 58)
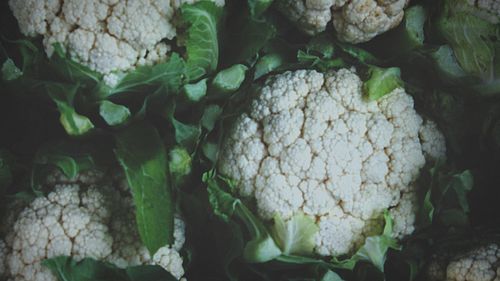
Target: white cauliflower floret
point(107, 36)
point(479, 264)
point(487, 9)
point(355, 21)
point(312, 144)
point(87, 216)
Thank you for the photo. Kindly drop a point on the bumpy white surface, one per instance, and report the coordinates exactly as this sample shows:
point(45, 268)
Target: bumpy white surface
point(354, 20)
point(105, 35)
point(310, 143)
point(487, 9)
point(83, 217)
point(3, 254)
point(479, 264)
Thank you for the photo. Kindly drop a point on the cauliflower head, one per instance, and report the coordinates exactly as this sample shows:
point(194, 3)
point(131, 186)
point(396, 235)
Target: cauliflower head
point(487, 9)
point(81, 217)
point(479, 264)
point(355, 21)
point(310, 143)
point(105, 35)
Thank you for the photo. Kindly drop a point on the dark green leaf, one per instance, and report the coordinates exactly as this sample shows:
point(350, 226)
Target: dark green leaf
point(169, 74)
point(72, 70)
point(113, 114)
point(447, 63)
point(63, 95)
point(179, 164)
point(10, 71)
point(67, 269)
point(142, 156)
point(267, 64)
point(257, 7)
point(202, 45)
point(381, 82)
point(6, 166)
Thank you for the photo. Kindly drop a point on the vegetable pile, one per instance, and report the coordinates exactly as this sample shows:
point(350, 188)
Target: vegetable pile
point(249, 140)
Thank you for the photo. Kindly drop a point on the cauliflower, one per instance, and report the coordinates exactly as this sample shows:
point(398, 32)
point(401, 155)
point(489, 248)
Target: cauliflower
point(82, 217)
point(355, 21)
point(312, 144)
point(105, 35)
point(487, 9)
point(479, 264)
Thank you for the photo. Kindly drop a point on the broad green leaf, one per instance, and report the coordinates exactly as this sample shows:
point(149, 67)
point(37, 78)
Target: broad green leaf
point(295, 236)
point(72, 70)
point(63, 95)
point(195, 92)
point(258, 7)
point(10, 71)
point(142, 155)
point(210, 116)
point(113, 114)
point(67, 269)
point(186, 135)
point(446, 63)
point(261, 247)
point(169, 74)
point(229, 79)
point(381, 82)
point(202, 44)
point(470, 37)
point(210, 151)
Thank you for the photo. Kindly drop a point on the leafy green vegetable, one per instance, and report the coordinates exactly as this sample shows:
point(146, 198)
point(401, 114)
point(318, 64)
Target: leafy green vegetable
point(296, 236)
point(229, 79)
point(470, 37)
point(195, 92)
point(257, 7)
point(179, 164)
point(10, 71)
point(210, 116)
point(267, 64)
point(75, 124)
point(202, 44)
point(261, 247)
point(67, 269)
point(113, 114)
point(381, 82)
point(142, 156)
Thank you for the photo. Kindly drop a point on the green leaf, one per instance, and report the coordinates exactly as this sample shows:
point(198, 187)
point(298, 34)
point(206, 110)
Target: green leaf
point(202, 44)
point(471, 38)
point(267, 64)
point(70, 157)
point(195, 92)
point(67, 269)
point(72, 70)
point(210, 116)
point(258, 7)
point(381, 82)
point(63, 95)
point(375, 248)
point(295, 236)
point(169, 74)
point(446, 63)
point(113, 114)
point(210, 151)
point(330, 276)
point(229, 79)
point(10, 71)
point(142, 155)
point(186, 135)
point(261, 247)
point(179, 164)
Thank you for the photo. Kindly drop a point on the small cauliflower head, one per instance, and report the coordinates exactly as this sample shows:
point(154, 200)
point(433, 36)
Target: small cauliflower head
point(487, 9)
point(355, 21)
point(82, 217)
point(479, 264)
point(310, 143)
point(106, 35)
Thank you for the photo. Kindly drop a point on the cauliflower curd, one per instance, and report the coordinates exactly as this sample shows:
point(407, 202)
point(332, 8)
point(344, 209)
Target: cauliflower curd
point(355, 21)
point(83, 217)
point(312, 144)
point(105, 35)
point(479, 264)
